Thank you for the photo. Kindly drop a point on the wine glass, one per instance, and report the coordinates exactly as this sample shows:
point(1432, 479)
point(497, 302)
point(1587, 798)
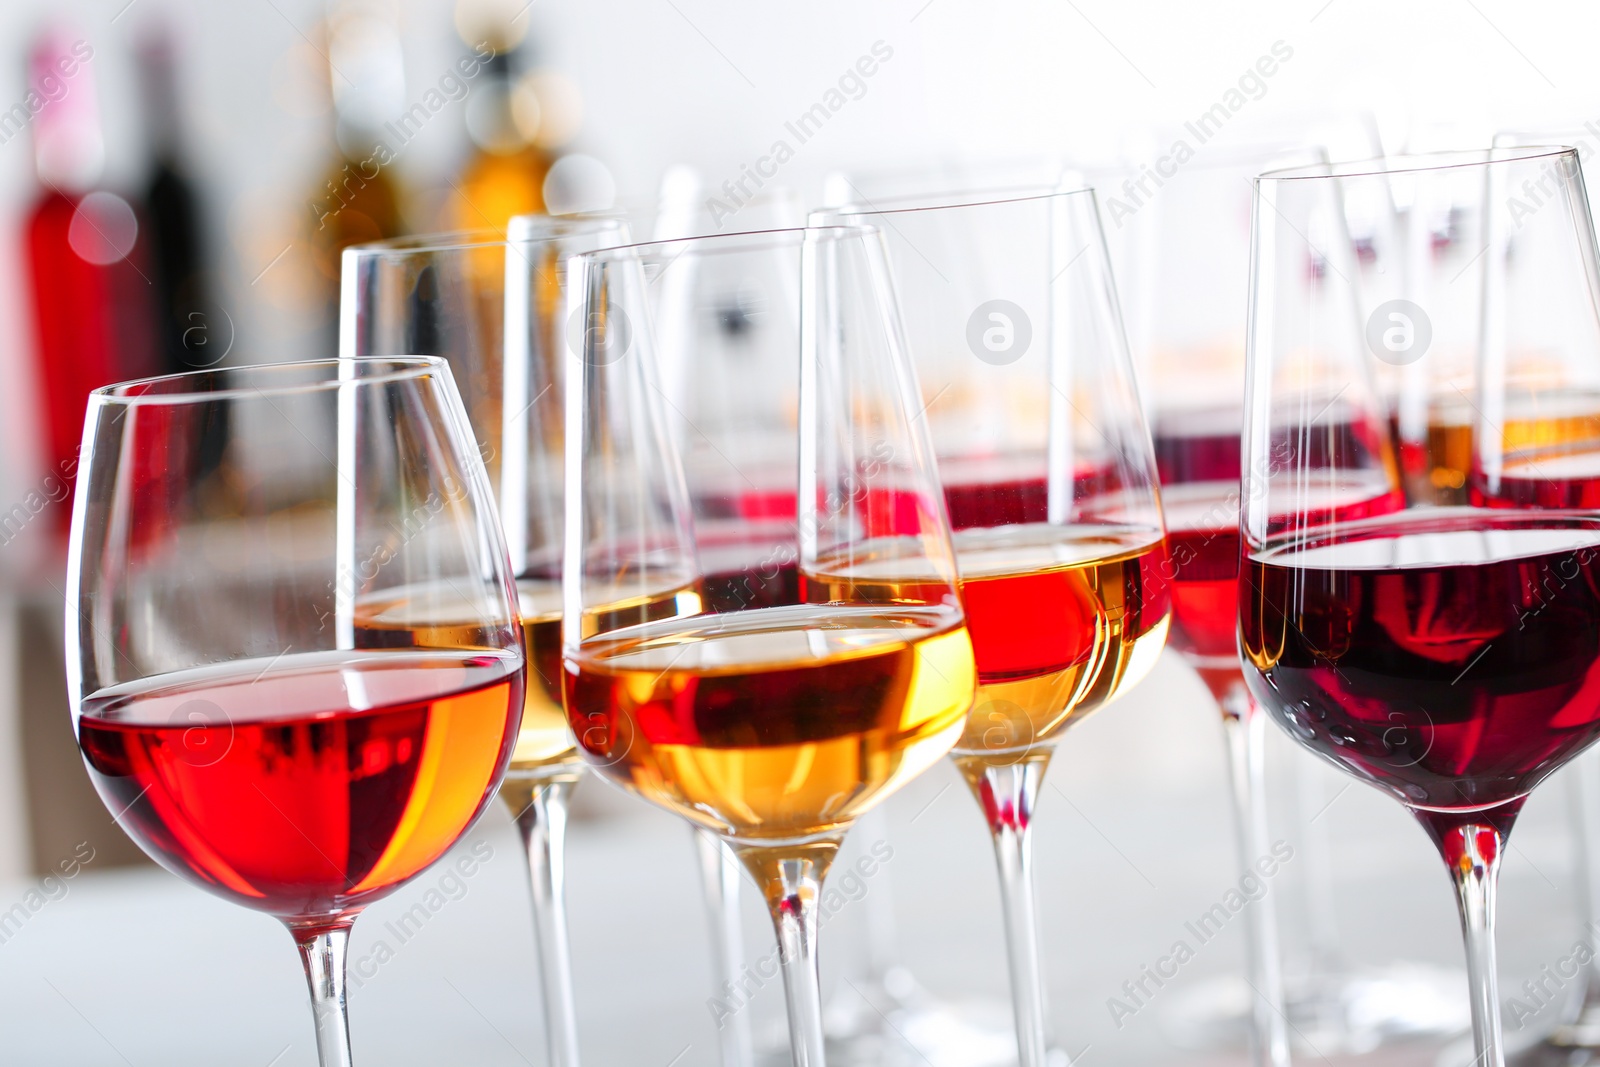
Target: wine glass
point(1194, 283)
point(772, 726)
point(1553, 443)
point(1047, 472)
point(294, 668)
point(490, 304)
point(1437, 653)
point(887, 1007)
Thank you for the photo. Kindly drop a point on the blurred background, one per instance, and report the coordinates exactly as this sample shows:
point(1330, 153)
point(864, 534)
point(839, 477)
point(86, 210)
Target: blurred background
point(177, 176)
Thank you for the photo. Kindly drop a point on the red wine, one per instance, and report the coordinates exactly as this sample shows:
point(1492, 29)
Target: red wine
point(1562, 481)
point(1445, 655)
point(1198, 446)
point(1009, 490)
point(1203, 543)
point(307, 785)
point(1203, 537)
point(756, 574)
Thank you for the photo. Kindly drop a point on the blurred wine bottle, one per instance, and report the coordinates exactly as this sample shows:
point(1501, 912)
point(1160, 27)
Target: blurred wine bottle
point(515, 117)
point(358, 198)
point(86, 261)
point(184, 311)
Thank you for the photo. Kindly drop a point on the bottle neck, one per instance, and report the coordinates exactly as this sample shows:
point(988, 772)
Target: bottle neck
point(68, 147)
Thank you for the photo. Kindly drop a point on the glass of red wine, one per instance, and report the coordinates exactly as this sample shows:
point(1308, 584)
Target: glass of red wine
point(1193, 288)
point(1548, 456)
point(1047, 473)
point(1442, 654)
point(294, 661)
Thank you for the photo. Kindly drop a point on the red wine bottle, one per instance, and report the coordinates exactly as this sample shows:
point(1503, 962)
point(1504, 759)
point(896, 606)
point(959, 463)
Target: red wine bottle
point(88, 287)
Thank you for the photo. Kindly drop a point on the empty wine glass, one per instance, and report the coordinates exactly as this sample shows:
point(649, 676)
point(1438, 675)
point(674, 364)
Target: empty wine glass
point(294, 667)
point(1439, 654)
point(1047, 471)
point(773, 726)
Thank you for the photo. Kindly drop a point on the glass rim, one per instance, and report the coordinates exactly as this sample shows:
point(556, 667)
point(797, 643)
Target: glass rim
point(1219, 158)
point(992, 196)
point(1419, 163)
point(463, 240)
point(735, 242)
point(137, 391)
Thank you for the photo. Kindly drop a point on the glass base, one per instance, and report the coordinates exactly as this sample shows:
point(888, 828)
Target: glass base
point(1349, 1013)
point(896, 1023)
point(1568, 1045)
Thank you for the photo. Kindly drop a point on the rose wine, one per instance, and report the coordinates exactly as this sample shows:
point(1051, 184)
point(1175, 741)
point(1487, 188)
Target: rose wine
point(774, 723)
point(1062, 618)
point(1197, 455)
point(310, 783)
point(1203, 543)
point(1445, 655)
point(1203, 540)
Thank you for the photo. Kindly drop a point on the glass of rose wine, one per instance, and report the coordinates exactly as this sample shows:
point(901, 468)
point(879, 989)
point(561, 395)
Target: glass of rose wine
point(1439, 653)
point(1046, 469)
point(491, 305)
point(772, 725)
point(293, 662)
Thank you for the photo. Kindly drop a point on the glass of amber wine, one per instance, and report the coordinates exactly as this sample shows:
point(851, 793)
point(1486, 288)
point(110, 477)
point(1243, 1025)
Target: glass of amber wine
point(772, 726)
point(246, 696)
point(491, 305)
point(1047, 471)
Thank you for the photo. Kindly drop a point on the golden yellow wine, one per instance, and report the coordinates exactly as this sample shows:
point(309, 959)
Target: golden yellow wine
point(545, 744)
point(1438, 471)
point(773, 724)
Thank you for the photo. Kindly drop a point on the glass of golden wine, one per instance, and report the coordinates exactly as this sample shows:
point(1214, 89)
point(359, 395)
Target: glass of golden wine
point(774, 726)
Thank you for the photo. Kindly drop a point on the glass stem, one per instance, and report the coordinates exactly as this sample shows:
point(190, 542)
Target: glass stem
point(1472, 852)
point(791, 880)
point(1245, 728)
point(1007, 795)
point(540, 807)
point(322, 951)
point(721, 881)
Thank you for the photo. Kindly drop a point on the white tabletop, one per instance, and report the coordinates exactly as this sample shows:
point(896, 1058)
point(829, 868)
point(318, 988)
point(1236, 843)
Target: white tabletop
point(135, 967)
